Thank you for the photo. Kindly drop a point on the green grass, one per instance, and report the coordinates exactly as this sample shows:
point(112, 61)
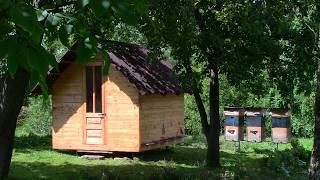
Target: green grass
point(34, 159)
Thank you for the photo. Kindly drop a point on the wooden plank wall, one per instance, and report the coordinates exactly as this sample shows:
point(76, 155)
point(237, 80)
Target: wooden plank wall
point(68, 108)
point(122, 109)
point(162, 117)
point(122, 113)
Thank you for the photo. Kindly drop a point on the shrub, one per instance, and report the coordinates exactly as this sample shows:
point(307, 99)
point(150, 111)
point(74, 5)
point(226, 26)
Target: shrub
point(302, 120)
point(289, 161)
point(35, 118)
point(192, 117)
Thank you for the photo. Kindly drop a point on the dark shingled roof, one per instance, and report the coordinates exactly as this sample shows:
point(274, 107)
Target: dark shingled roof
point(156, 77)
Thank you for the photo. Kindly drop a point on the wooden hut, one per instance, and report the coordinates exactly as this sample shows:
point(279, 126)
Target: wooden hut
point(138, 106)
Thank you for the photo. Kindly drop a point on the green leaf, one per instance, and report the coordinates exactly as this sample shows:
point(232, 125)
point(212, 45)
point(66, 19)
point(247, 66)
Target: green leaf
point(5, 29)
point(69, 28)
point(7, 50)
point(44, 60)
point(100, 7)
point(25, 53)
point(141, 5)
point(64, 32)
point(84, 2)
point(63, 36)
point(43, 86)
point(33, 79)
point(124, 10)
point(4, 4)
point(13, 62)
point(25, 17)
point(52, 61)
point(107, 62)
point(54, 19)
point(41, 15)
point(86, 50)
point(38, 59)
point(83, 54)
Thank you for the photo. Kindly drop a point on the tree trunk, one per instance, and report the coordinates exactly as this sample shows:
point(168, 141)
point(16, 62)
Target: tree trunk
point(314, 168)
point(202, 112)
point(12, 93)
point(199, 102)
point(213, 154)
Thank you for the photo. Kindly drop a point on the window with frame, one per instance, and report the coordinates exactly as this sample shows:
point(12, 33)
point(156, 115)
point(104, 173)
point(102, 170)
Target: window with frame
point(93, 89)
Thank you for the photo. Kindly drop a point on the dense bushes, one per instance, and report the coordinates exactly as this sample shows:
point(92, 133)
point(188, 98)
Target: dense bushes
point(35, 117)
point(288, 161)
point(302, 120)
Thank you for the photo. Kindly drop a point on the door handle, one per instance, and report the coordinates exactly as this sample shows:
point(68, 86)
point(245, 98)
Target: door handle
point(102, 114)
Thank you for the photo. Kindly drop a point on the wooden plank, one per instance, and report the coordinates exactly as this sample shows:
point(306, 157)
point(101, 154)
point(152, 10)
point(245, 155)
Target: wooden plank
point(67, 107)
point(94, 133)
point(94, 120)
point(94, 140)
point(67, 99)
point(161, 117)
point(94, 126)
point(122, 110)
point(95, 115)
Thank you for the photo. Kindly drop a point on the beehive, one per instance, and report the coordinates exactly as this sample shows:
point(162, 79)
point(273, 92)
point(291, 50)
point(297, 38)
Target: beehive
point(281, 130)
point(255, 124)
point(234, 121)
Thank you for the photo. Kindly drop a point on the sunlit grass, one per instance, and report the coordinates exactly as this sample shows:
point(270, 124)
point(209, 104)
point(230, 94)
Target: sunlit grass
point(36, 160)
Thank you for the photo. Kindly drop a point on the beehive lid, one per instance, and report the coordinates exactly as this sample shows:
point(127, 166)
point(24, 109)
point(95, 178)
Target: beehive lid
point(254, 111)
point(233, 111)
point(280, 112)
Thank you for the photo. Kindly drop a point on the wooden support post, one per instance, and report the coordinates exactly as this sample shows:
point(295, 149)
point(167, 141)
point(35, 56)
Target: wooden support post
point(237, 148)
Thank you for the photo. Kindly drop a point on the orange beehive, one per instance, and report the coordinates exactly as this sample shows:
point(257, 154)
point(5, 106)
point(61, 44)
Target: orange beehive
point(255, 124)
point(234, 120)
point(281, 130)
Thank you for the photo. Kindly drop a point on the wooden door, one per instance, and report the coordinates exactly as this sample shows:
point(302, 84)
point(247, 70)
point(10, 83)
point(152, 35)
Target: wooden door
point(95, 128)
point(95, 115)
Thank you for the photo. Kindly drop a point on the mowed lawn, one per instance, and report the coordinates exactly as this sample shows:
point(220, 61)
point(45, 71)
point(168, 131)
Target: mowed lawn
point(34, 159)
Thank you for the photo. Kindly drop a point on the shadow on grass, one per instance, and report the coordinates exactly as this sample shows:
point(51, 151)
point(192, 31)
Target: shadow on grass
point(33, 142)
point(250, 169)
point(181, 162)
point(134, 171)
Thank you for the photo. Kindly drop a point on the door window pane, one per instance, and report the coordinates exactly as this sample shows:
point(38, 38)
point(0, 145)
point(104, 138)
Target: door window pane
point(98, 84)
point(89, 89)
point(93, 89)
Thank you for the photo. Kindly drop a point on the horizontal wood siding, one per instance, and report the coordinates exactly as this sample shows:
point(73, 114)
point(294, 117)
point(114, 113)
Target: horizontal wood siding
point(122, 109)
point(161, 120)
point(68, 108)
